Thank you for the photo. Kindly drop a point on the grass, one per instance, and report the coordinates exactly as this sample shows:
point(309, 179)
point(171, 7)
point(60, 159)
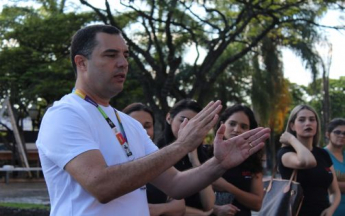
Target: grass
point(25, 206)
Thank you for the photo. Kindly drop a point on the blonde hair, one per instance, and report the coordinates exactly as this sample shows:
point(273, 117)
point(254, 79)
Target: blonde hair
point(293, 116)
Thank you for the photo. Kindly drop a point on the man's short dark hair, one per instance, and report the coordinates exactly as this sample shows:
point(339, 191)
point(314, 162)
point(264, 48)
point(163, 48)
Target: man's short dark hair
point(84, 40)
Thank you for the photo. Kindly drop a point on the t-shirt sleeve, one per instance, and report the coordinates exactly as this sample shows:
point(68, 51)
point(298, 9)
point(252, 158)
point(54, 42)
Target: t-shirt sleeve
point(64, 134)
point(150, 147)
point(327, 157)
point(282, 151)
point(284, 171)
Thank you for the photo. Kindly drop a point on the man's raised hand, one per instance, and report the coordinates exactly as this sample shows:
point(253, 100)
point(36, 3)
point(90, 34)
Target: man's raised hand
point(234, 151)
point(193, 132)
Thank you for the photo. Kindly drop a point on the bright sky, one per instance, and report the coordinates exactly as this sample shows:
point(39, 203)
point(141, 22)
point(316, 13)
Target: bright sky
point(293, 66)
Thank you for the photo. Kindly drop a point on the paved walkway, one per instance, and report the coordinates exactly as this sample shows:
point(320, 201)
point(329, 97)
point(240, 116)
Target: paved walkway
point(34, 192)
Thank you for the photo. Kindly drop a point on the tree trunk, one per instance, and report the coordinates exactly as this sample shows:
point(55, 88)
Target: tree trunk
point(326, 100)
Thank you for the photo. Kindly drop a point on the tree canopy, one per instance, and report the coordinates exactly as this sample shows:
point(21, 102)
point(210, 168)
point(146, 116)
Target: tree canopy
point(34, 51)
point(205, 50)
point(226, 32)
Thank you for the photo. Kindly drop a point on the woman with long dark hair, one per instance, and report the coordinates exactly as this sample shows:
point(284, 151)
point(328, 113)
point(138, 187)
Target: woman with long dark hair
point(240, 190)
point(200, 203)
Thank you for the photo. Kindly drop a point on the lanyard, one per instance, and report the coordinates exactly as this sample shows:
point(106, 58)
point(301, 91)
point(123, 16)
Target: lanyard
point(120, 135)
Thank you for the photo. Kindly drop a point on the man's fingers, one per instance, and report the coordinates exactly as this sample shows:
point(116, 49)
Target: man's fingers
point(256, 140)
point(209, 120)
point(207, 114)
point(205, 109)
point(248, 134)
point(184, 123)
point(220, 133)
point(261, 135)
point(256, 148)
point(212, 123)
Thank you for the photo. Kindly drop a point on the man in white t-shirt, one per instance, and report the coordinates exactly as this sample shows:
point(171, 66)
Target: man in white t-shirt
point(97, 160)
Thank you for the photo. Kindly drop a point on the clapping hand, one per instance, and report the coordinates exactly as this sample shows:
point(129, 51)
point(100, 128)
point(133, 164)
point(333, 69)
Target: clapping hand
point(193, 131)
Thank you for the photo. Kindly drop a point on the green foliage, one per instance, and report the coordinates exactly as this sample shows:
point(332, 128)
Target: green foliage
point(234, 85)
point(298, 93)
point(35, 53)
point(313, 95)
point(240, 41)
point(337, 96)
point(25, 206)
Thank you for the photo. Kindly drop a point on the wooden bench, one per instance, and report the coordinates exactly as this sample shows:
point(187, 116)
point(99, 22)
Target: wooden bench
point(8, 170)
point(32, 154)
point(7, 155)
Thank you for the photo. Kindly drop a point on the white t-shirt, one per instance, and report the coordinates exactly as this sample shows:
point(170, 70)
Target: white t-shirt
point(73, 126)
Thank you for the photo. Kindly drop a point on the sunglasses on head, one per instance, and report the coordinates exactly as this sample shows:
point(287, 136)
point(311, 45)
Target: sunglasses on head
point(338, 132)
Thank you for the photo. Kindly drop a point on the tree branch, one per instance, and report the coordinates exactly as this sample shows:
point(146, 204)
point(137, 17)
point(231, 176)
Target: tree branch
point(96, 10)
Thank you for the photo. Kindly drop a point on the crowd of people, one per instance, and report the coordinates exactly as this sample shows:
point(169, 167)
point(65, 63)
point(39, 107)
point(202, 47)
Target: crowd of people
point(98, 160)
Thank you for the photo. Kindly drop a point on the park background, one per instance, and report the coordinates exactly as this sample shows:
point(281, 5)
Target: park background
point(269, 55)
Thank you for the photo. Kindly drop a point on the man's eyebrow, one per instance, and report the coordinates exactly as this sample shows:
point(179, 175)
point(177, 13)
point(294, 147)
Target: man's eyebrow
point(111, 50)
point(114, 51)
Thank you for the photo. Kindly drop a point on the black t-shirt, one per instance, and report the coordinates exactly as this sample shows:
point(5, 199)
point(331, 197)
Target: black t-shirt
point(184, 164)
point(241, 178)
point(314, 181)
point(154, 195)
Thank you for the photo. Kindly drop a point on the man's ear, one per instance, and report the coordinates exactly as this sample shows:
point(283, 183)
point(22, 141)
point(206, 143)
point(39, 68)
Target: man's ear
point(168, 118)
point(80, 62)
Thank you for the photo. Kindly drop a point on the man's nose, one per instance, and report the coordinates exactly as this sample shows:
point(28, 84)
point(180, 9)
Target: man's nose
point(122, 62)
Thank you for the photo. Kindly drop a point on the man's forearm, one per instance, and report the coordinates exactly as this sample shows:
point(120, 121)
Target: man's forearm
point(191, 181)
point(109, 182)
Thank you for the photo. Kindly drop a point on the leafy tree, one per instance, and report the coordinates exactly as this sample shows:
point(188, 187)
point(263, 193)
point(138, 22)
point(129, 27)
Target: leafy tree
point(337, 98)
point(160, 32)
point(270, 96)
point(34, 52)
point(313, 95)
point(231, 34)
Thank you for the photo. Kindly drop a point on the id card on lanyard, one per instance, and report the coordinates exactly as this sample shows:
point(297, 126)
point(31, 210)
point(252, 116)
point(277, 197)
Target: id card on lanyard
point(120, 135)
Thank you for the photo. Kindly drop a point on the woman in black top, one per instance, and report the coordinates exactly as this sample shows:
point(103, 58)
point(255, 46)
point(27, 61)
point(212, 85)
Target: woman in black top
point(159, 202)
point(200, 203)
point(243, 182)
point(315, 169)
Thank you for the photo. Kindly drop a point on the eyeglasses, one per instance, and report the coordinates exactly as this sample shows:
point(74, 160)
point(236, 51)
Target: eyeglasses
point(338, 132)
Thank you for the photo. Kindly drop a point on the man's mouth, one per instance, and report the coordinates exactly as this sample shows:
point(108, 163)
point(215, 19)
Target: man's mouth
point(120, 75)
